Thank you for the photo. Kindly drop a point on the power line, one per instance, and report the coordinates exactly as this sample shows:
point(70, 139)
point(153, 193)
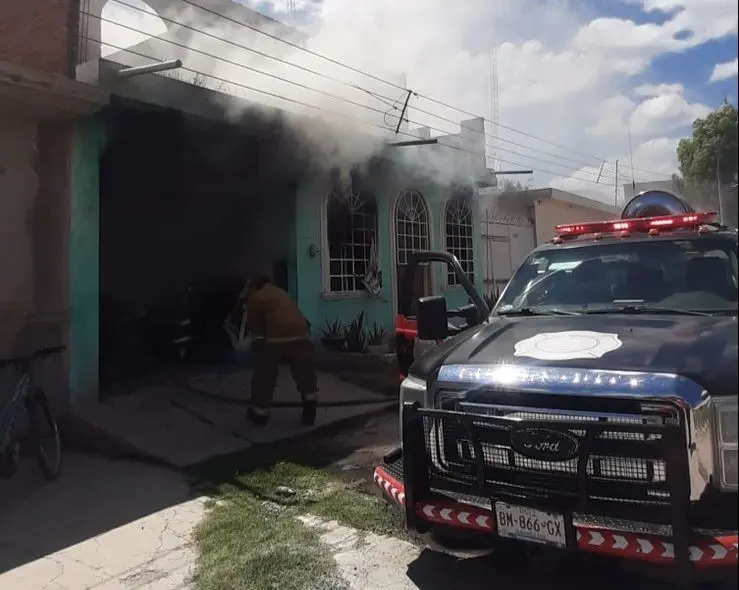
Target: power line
point(568, 169)
point(186, 47)
point(394, 84)
point(386, 99)
point(320, 109)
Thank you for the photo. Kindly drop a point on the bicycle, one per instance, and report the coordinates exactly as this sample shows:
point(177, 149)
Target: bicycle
point(40, 415)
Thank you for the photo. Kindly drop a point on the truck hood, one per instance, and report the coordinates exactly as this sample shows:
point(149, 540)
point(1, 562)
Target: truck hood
point(700, 348)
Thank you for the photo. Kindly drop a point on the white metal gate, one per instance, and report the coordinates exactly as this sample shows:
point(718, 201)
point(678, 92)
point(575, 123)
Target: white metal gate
point(506, 241)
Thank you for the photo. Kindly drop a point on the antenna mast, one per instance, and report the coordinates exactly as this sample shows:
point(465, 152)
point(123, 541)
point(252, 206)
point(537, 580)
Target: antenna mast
point(291, 12)
point(494, 107)
point(631, 157)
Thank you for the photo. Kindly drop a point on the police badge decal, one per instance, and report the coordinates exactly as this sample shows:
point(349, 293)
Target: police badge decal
point(565, 346)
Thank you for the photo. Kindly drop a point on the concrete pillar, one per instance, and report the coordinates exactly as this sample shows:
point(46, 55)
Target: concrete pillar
point(84, 251)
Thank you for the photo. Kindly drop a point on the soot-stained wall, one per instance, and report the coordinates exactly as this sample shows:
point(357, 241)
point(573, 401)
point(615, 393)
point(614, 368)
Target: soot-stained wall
point(186, 202)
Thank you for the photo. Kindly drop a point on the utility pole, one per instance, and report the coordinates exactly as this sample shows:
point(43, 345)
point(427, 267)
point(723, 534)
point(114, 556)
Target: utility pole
point(402, 113)
point(494, 106)
point(600, 172)
point(718, 190)
point(615, 188)
point(631, 157)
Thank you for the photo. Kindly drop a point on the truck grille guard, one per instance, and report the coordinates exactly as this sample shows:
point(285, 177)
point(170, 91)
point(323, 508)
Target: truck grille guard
point(454, 464)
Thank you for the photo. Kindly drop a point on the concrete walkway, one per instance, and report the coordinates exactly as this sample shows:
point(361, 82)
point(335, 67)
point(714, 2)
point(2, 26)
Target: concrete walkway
point(103, 525)
point(366, 561)
point(175, 424)
point(115, 525)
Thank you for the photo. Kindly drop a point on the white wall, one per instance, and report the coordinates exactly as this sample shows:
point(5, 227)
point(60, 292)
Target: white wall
point(505, 242)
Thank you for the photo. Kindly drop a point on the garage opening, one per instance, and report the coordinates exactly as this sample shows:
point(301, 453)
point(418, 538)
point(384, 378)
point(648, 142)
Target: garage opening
point(189, 209)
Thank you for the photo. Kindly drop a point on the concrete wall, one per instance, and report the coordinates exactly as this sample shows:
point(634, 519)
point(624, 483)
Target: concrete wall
point(33, 237)
point(40, 34)
point(38, 298)
point(552, 212)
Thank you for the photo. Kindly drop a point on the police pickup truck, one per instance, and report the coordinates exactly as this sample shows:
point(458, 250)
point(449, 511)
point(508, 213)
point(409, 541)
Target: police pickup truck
point(594, 409)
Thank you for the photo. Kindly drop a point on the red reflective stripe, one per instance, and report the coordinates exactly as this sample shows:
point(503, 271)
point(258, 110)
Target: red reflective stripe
point(405, 326)
point(705, 551)
point(391, 486)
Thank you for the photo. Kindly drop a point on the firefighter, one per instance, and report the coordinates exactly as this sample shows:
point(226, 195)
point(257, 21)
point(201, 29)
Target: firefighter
point(280, 334)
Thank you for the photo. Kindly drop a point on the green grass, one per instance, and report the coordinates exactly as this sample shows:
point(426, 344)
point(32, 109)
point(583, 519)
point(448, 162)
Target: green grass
point(252, 538)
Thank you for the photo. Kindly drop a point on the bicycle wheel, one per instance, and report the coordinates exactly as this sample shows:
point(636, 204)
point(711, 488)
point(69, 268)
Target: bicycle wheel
point(47, 445)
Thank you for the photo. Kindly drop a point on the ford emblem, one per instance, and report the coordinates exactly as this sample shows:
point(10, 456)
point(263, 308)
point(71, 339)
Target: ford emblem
point(544, 444)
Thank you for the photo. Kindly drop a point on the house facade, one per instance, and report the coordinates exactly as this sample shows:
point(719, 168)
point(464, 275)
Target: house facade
point(383, 220)
point(40, 103)
point(513, 224)
point(320, 238)
point(60, 110)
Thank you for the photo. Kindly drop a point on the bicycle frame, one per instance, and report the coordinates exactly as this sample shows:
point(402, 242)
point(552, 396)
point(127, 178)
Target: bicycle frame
point(7, 418)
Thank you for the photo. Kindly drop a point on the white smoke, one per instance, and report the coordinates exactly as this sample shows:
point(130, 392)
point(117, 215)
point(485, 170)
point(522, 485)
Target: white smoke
point(559, 65)
point(342, 116)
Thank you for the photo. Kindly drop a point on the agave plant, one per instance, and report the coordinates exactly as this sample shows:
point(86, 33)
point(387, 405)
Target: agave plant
point(491, 297)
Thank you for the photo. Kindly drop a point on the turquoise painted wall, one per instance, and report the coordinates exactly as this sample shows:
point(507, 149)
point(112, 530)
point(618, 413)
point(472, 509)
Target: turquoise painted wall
point(320, 307)
point(84, 259)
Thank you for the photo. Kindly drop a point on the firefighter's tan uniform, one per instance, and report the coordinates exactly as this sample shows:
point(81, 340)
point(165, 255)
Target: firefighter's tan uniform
point(280, 334)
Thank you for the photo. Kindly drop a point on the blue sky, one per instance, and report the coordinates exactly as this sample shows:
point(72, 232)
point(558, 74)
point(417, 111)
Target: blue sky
point(692, 69)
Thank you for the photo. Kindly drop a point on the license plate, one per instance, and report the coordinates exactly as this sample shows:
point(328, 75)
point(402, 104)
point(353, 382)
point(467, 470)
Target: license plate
point(528, 524)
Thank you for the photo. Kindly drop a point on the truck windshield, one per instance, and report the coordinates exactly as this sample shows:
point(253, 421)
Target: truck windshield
point(675, 276)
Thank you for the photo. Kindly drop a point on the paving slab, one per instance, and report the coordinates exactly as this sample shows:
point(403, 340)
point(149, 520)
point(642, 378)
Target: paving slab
point(188, 421)
point(102, 525)
point(147, 423)
point(236, 385)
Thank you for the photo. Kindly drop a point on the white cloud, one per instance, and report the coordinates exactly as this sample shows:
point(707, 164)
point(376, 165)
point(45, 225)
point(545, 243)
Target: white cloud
point(562, 74)
point(663, 109)
point(652, 90)
point(613, 116)
point(725, 71)
point(664, 112)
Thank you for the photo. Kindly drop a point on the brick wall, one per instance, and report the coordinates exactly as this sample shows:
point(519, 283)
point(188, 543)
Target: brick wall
point(39, 34)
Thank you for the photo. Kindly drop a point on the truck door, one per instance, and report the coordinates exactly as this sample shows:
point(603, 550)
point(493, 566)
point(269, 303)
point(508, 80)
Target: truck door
point(459, 319)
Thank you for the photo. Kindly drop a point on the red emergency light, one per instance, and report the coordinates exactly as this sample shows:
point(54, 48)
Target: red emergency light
point(639, 224)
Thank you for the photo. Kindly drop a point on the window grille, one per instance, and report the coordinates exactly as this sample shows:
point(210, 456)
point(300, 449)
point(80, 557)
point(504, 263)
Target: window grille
point(458, 229)
point(351, 227)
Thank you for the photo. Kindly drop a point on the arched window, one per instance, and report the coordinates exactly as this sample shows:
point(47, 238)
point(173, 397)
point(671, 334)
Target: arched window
point(458, 231)
point(351, 231)
point(412, 235)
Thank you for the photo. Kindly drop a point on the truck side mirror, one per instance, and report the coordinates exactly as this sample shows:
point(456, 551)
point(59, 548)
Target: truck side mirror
point(431, 318)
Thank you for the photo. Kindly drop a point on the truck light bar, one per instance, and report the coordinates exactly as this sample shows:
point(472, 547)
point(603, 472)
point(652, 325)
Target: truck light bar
point(639, 224)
